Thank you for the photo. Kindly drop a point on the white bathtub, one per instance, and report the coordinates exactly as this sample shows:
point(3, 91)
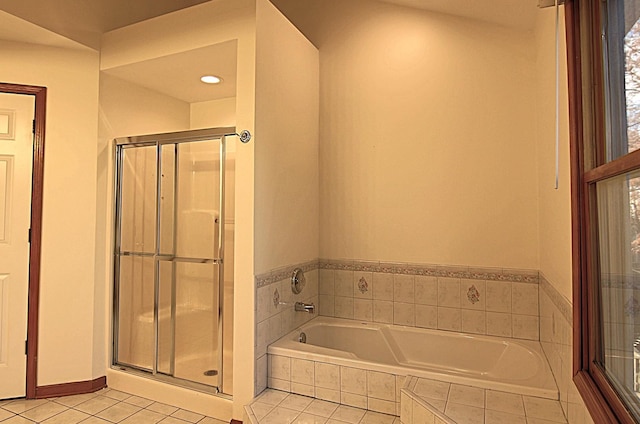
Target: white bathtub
point(516, 366)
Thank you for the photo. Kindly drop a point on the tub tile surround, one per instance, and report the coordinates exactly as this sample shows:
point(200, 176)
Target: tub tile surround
point(275, 314)
point(497, 302)
point(359, 388)
point(503, 302)
point(556, 330)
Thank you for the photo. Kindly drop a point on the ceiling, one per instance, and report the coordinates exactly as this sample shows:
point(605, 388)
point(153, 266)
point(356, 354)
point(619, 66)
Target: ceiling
point(178, 75)
point(64, 23)
point(511, 13)
point(85, 21)
point(316, 18)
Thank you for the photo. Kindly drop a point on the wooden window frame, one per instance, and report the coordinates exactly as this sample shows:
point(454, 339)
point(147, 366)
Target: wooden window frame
point(588, 166)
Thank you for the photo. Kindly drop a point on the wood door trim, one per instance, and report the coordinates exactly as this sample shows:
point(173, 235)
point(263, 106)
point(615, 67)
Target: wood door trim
point(40, 94)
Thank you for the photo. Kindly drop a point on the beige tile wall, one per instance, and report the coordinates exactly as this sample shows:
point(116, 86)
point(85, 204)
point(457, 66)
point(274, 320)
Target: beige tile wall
point(505, 302)
point(556, 330)
point(480, 301)
point(361, 388)
point(275, 314)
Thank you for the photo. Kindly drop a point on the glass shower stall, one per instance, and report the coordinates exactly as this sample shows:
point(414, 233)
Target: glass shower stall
point(173, 258)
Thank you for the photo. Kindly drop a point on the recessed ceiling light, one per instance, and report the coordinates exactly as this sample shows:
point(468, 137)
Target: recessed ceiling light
point(211, 79)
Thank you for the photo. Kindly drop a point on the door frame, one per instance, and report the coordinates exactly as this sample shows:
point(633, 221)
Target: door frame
point(40, 94)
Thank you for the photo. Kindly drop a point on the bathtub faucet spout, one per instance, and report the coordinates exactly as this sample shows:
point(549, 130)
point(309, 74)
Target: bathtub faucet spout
point(305, 307)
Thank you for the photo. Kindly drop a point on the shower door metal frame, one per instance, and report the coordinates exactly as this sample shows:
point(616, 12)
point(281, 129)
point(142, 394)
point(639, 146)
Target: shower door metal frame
point(159, 140)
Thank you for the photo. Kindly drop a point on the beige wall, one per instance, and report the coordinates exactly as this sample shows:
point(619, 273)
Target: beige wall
point(287, 202)
point(427, 146)
point(210, 23)
point(554, 205)
point(214, 113)
point(67, 324)
point(129, 109)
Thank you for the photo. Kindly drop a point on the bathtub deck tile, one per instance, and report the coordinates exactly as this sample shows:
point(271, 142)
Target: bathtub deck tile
point(504, 402)
point(539, 421)
point(543, 408)
point(432, 389)
point(497, 417)
point(466, 395)
point(471, 405)
point(464, 413)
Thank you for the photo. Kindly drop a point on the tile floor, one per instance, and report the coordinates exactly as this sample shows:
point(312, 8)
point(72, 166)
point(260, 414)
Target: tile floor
point(102, 407)
point(276, 407)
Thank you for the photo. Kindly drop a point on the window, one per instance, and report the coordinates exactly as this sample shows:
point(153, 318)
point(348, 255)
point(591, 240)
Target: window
point(603, 39)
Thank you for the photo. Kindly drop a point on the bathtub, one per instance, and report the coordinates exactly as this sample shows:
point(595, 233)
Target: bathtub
point(510, 365)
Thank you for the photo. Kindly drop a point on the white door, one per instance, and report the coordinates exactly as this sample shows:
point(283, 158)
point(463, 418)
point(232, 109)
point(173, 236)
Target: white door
point(16, 151)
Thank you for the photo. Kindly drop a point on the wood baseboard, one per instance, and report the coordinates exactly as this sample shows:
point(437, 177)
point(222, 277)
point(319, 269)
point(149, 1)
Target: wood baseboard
point(235, 422)
point(74, 388)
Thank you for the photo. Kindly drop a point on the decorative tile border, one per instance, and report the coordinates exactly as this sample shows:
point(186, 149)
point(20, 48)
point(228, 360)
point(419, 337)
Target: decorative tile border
point(560, 302)
point(620, 281)
point(473, 273)
point(282, 273)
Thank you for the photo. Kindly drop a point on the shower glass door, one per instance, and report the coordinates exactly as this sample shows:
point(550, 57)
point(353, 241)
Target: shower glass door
point(169, 253)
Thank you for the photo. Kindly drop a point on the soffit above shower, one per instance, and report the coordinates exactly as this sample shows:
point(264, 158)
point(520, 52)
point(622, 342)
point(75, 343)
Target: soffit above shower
point(85, 21)
point(178, 75)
